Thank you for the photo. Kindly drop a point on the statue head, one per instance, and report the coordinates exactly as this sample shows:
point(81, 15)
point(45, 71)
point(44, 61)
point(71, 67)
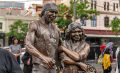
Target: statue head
point(49, 12)
point(75, 32)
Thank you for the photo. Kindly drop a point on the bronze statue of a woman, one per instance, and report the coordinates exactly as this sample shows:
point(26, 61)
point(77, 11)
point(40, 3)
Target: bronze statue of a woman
point(75, 51)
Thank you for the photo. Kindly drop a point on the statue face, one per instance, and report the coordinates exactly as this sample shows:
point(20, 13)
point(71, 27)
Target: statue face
point(50, 16)
point(76, 34)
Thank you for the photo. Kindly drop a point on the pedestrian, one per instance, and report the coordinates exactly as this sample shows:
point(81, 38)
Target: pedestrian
point(27, 61)
point(8, 64)
point(106, 61)
point(16, 49)
point(102, 47)
point(75, 51)
point(43, 39)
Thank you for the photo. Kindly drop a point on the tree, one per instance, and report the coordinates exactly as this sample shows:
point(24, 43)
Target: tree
point(66, 13)
point(18, 29)
point(63, 17)
point(115, 25)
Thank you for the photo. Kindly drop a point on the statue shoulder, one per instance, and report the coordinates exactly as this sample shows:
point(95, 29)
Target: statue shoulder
point(34, 24)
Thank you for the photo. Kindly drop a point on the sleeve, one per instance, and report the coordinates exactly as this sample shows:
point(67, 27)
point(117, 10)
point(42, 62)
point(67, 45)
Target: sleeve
point(12, 64)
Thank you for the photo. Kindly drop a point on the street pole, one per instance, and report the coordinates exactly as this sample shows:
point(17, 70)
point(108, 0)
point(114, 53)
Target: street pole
point(74, 11)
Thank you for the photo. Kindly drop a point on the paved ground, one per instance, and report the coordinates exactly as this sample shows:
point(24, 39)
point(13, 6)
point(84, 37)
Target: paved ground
point(97, 66)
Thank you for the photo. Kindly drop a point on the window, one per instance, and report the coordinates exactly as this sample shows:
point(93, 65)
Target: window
point(83, 21)
point(116, 6)
point(94, 21)
point(113, 6)
point(106, 21)
point(1, 25)
point(93, 4)
point(106, 6)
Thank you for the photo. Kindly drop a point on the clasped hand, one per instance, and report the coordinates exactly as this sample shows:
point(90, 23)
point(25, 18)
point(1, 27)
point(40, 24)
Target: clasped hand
point(49, 61)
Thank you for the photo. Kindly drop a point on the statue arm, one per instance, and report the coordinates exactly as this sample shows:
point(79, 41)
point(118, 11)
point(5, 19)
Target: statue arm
point(29, 41)
point(73, 55)
point(69, 61)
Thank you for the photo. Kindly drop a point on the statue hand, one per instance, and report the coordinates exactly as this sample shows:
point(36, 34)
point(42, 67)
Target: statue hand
point(49, 61)
point(60, 49)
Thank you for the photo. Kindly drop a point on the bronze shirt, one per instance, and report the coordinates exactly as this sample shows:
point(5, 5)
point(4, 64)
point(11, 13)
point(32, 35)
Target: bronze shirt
point(46, 39)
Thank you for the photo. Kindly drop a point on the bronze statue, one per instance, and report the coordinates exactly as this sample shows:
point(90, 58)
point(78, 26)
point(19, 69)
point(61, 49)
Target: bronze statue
point(42, 40)
point(75, 51)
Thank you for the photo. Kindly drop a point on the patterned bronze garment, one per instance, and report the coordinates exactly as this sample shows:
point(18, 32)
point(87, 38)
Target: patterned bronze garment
point(75, 51)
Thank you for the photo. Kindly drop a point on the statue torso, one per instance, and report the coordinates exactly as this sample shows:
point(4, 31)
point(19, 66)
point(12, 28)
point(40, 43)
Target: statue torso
point(46, 39)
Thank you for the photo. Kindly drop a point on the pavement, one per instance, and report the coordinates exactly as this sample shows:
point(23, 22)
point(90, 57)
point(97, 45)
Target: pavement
point(99, 66)
point(96, 65)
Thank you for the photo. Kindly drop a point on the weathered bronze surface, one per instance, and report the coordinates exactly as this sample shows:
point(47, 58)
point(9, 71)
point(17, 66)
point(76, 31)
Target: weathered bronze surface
point(42, 40)
point(75, 51)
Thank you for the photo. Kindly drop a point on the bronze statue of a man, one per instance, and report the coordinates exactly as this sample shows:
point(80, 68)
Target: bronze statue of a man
point(42, 40)
point(75, 51)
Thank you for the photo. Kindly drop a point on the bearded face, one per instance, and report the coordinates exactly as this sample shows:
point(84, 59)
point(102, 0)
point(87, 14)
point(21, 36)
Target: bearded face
point(50, 16)
point(76, 34)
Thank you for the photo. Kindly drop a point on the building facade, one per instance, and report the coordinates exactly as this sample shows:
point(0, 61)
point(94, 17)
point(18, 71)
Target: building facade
point(98, 27)
point(6, 21)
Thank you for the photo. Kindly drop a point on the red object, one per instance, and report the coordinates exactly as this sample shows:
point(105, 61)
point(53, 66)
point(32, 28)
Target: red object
point(102, 47)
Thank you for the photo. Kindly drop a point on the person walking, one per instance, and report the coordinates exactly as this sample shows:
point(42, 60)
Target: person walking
point(106, 61)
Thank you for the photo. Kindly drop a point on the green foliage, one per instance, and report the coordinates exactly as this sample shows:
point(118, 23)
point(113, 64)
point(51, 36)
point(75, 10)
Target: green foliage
point(62, 9)
point(63, 22)
point(115, 25)
point(66, 13)
point(18, 29)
